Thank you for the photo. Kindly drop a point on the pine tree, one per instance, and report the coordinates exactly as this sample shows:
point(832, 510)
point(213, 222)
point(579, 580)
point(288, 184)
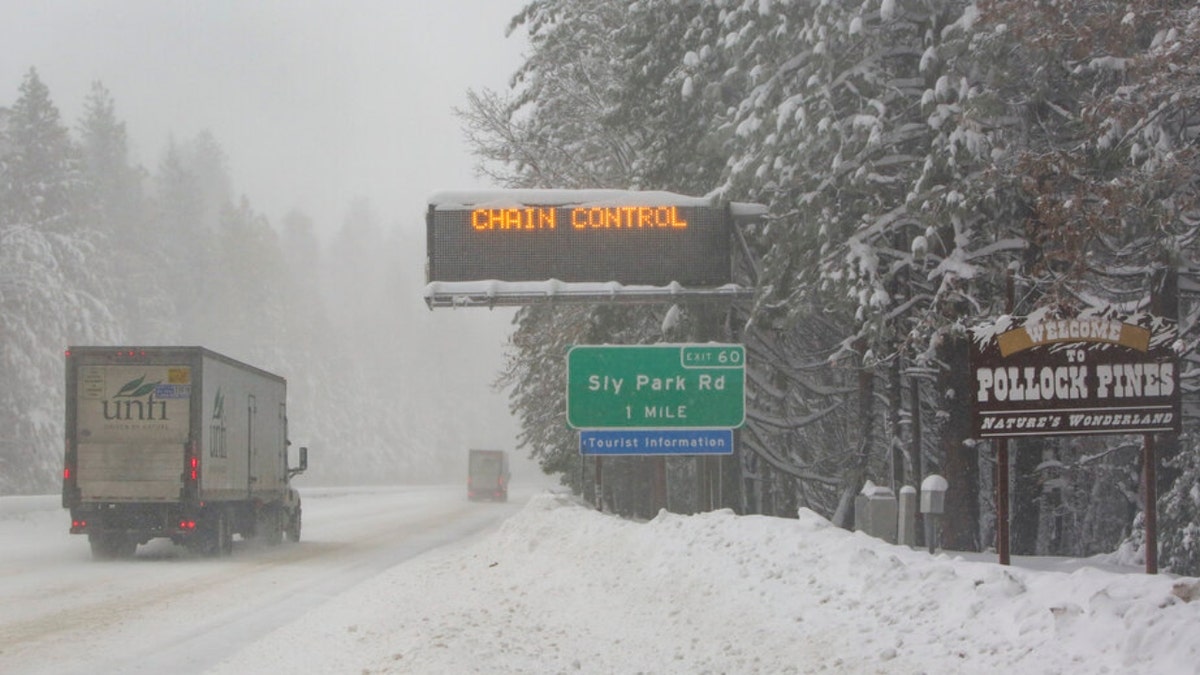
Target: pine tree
point(191, 186)
point(112, 183)
point(913, 152)
point(117, 215)
point(595, 105)
point(48, 287)
point(1103, 163)
point(39, 175)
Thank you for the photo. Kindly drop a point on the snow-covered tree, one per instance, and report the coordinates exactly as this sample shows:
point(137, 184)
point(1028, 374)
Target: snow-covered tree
point(113, 184)
point(115, 212)
point(601, 101)
point(914, 153)
point(49, 291)
point(1101, 157)
point(40, 169)
point(183, 225)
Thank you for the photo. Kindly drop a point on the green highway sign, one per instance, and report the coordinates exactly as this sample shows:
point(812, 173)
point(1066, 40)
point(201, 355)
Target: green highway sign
point(693, 386)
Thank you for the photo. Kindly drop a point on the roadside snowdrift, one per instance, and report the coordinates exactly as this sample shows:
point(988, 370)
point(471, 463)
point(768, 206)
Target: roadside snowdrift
point(562, 588)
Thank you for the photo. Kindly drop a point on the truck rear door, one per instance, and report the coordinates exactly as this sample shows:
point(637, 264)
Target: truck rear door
point(131, 431)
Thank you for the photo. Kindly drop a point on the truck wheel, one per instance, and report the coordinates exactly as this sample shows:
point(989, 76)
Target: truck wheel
point(293, 527)
point(100, 547)
point(269, 528)
point(224, 535)
point(217, 540)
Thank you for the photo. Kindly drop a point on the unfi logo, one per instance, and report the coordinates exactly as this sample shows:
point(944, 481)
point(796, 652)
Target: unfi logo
point(135, 401)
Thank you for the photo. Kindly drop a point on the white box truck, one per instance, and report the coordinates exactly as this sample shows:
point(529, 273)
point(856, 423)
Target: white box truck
point(179, 443)
point(487, 475)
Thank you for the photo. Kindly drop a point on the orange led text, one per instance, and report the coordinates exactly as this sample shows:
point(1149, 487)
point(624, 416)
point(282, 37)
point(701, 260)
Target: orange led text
point(626, 217)
point(514, 219)
point(579, 218)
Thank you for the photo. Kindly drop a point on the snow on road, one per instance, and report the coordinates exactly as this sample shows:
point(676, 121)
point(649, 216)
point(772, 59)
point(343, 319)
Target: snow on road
point(169, 611)
point(560, 588)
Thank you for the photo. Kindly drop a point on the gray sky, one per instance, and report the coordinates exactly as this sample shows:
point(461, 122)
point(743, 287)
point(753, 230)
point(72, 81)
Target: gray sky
point(314, 102)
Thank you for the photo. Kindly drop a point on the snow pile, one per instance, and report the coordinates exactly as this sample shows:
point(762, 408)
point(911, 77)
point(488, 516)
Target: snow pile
point(562, 588)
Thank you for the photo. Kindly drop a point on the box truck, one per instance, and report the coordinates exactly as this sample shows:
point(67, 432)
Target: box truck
point(487, 475)
point(179, 443)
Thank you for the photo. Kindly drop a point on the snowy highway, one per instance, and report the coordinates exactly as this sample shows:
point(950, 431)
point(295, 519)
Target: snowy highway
point(419, 580)
point(167, 610)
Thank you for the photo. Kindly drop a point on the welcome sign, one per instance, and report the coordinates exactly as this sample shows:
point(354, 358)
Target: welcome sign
point(1073, 377)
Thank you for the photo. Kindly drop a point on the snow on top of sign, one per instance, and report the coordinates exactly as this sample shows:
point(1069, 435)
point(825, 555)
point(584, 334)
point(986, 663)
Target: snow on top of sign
point(508, 199)
point(1163, 331)
point(986, 331)
point(550, 288)
point(934, 483)
point(511, 199)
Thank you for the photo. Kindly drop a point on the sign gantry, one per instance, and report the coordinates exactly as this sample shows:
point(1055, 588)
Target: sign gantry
point(524, 247)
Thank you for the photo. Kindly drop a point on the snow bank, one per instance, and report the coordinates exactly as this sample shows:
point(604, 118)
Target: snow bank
point(562, 588)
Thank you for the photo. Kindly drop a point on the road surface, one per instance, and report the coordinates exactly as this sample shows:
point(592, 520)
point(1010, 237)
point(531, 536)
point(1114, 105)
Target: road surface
point(167, 610)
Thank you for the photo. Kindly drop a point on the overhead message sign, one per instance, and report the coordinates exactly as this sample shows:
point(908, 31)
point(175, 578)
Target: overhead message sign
point(619, 442)
point(656, 386)
point(1074, 377)
point(578, 237)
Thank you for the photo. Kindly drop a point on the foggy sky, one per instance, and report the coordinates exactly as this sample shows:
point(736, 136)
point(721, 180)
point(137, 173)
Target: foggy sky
point(315, 103)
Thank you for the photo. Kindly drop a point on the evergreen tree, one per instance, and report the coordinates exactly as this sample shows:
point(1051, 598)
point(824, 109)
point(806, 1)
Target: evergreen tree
point(117, 216)
point(39, 175)
point(604, 101)
point(912, 153)
point(114, 185)
point(49, 287)
point(1102, 161)
point(191, 187)
point(242, 309)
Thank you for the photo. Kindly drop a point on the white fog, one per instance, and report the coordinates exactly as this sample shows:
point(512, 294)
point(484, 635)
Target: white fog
point(341, 113)
point(215, 201)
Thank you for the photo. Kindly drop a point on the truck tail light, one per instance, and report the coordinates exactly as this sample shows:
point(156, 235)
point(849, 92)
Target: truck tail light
point(188, 525)
point(191, 467)
point(70, 488)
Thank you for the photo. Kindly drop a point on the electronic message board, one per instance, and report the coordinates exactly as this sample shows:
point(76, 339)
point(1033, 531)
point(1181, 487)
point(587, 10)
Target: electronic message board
point(630, 238)
point(1074, 377)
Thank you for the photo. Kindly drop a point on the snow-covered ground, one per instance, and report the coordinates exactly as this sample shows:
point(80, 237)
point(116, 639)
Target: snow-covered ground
point(560, 588)
point(169, 611)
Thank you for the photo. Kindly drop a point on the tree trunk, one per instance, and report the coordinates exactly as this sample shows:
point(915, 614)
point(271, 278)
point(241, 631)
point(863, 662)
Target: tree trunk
point(856, 473)
point(960, 524)
point(896, 442)
point(916, 460)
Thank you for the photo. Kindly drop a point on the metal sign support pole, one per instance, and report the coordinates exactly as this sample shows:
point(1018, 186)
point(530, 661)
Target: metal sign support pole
point(599, 485)
point(1149, 476)
point(1002, 533)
